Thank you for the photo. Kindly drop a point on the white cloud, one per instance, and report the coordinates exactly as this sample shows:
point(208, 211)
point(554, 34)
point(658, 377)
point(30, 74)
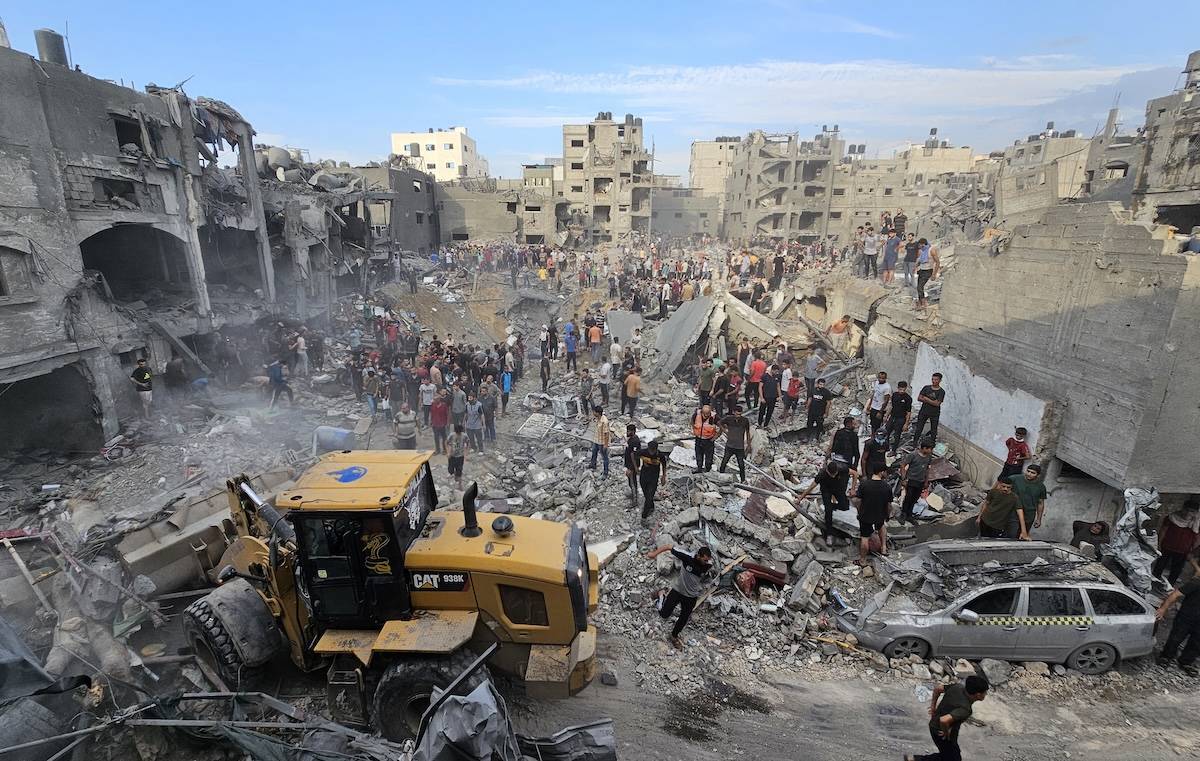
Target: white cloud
point(797, 92)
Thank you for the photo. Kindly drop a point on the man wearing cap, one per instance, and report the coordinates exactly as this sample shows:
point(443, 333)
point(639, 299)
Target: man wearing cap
point(1031, 496)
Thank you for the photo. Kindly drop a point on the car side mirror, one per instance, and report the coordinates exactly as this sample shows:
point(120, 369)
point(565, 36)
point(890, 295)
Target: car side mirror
point(967, 616)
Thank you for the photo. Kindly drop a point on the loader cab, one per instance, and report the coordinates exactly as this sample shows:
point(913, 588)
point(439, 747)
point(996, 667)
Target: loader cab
point(355, 515)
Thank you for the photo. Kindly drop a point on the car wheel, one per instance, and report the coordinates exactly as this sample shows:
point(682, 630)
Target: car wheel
point(1095, 658)
point(905, 647)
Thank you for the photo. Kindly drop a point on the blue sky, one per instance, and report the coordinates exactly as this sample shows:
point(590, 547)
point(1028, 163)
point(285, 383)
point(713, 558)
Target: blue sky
point(338, 78)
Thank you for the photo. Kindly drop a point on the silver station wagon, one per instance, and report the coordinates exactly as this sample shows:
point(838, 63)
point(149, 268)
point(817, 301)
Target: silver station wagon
point(1014, 601)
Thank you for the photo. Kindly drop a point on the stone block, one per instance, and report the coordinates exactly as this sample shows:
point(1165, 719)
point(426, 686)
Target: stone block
point(802, 593)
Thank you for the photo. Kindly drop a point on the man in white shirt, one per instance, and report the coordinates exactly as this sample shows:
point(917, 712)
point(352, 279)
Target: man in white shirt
point(635, 344)
point(616, 352)
point(881, 394)
point(603, 379)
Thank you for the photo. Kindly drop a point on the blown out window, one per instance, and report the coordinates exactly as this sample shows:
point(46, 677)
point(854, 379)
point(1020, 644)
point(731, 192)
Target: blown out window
point(524, 606)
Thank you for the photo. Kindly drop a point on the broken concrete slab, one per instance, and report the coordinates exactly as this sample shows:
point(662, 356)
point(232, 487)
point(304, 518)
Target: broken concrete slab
point(803, 591)
point(780, 509)
point(607, 550)
point(679, 334)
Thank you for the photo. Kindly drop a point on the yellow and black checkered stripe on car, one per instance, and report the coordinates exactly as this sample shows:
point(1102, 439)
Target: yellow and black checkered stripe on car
point(1033, 621)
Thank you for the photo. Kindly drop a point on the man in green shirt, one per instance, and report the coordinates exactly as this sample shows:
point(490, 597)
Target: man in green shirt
point(948, 714)
point(996, 514)
point(704, 387)
point(1031, 492)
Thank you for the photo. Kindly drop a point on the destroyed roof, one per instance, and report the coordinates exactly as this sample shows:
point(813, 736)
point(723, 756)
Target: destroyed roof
point(680, 333)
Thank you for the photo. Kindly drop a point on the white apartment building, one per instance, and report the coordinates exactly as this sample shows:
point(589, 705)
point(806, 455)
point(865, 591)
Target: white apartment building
point(447, 154)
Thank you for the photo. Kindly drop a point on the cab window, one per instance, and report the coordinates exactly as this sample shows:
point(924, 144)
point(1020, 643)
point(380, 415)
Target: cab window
point(1110, 602)
point(996, 602)
point(524, 606)
point(1058, 601)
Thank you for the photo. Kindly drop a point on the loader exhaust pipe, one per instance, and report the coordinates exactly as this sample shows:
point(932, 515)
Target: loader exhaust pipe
point(470, 520)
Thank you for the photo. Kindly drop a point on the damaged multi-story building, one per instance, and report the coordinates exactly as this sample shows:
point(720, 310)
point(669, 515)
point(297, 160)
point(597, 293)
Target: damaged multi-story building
point(911, 181)
point(607, 180)
point(778, 186)
point(123, 236)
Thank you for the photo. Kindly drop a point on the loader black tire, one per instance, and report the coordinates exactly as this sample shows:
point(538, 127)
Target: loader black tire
point(214, 645)
point(406, 687)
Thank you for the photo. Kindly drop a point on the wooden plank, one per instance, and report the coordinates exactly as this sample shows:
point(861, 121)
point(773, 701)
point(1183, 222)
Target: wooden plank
point(24, 569)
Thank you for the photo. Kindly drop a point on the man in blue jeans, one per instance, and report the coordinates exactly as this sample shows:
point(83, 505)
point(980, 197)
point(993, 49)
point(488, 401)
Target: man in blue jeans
point(600, 434)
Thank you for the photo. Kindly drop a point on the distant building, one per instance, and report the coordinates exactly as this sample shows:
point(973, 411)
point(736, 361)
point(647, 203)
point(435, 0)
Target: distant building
point(448, 154)
point(863, 188)
point(685, 212)
point(1168, 181)
point(606, 180)
point(710, 164)
point(1040, 171)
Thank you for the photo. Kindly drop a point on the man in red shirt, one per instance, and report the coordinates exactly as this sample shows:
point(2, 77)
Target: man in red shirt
point(1018, 453)
point(757, 367)
point(439, 418)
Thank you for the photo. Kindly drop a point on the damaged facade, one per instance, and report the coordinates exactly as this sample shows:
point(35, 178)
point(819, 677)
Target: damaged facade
point(122, 236)
point(778, 186)
point(607, 180)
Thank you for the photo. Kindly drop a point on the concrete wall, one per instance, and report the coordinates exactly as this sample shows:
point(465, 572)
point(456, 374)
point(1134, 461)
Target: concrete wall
point(1087, 309)
point(507, 216)
point(414, 211)
point(976, 408)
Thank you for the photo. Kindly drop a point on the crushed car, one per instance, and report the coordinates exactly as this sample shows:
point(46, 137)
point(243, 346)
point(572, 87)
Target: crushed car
point(1008, 600)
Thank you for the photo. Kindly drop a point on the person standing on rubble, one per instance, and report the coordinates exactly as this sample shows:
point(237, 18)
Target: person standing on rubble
point(1185, 629)
point(456, 454)
point(1018, 453)
point(928, 265)
point(652, 472)
point(899, 414)
point(473, 422)
point(439, 421)
point(833, 480)
point(1178, 537)
point(874, 509)
point(458, 403)
point(874, 454)
point(585, 391)
point(1031, 493)
point(506, 387)
point(816, 405)
point(405, 426)
point(754, 373)
point(931, 398)
point(600, 435)
point(949, 708)
point(995, 519)
point(914, 474)
point(881, 394)
point(489, 397)
point(736, 429)
point(544, 371)
point(604, 380)
point(704, 381)
point(426, 392)
point(768, 396)
point(843, 447)
point(706, 426)
point(569, 340)
point(686, 590)
point(143, 381)
point(633, 389)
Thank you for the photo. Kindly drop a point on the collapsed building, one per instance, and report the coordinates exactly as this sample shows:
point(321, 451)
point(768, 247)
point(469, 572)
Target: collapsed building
point(124, 234)
point(607, 180)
